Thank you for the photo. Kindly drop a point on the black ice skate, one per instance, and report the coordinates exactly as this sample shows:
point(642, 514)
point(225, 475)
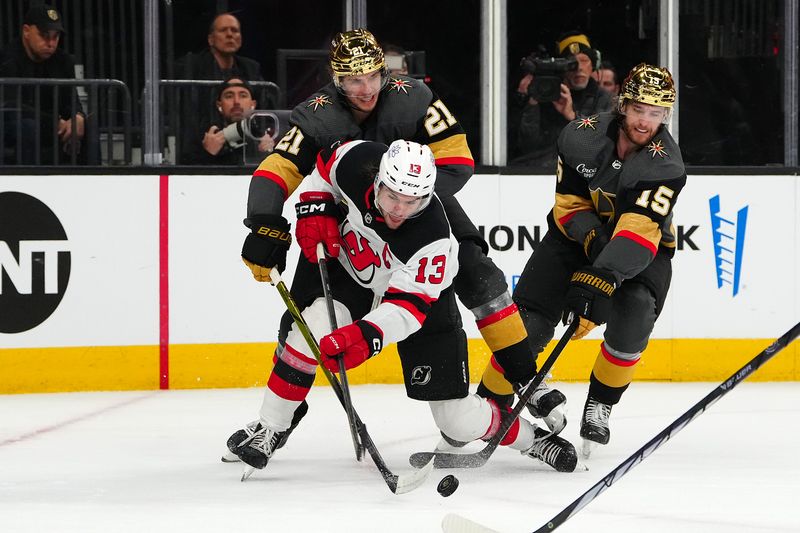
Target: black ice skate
point(231, 457)
point(254, 445)
point(548, 405)
point(553, 450)
point(594, 425)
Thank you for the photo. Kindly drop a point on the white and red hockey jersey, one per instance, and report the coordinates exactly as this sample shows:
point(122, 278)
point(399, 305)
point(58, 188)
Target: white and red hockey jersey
point(407, 267)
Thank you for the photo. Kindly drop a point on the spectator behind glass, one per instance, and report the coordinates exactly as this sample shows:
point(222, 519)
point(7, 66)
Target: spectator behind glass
point(219, 61)
point(607, 77)
point(36, 55)
point(233, 104)
point(539, 123)
point(396, 61)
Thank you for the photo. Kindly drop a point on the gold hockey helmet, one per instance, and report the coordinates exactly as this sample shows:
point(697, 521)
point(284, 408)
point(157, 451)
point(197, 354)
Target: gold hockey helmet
point(355, 52)
point(649, 85)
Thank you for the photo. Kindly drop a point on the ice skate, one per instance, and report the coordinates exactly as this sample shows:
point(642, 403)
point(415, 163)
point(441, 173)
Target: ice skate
point(594, 425)
point(553, 450)
point(231, 457)
point(548, 405)
point(254, 445)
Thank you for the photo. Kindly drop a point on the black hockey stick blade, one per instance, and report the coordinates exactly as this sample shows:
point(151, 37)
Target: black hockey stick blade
point(348, 402)
point(397, 484)
point(682, 421)
point(479, 458)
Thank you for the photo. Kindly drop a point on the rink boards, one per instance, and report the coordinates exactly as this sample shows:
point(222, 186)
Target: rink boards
point(135, 282)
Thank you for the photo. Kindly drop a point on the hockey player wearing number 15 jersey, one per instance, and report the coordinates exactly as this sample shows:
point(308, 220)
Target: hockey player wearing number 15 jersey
point(607, 254)
point(375, 210)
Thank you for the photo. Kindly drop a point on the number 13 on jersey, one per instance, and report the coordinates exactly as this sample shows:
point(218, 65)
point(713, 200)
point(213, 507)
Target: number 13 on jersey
point(431, 270)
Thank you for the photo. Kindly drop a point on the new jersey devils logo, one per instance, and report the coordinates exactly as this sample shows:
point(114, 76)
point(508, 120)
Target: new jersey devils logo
point(421, 375)
point(364, 260)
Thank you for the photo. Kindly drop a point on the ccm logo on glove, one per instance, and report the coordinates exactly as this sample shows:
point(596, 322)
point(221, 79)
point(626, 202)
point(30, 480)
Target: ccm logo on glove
point(317, 222)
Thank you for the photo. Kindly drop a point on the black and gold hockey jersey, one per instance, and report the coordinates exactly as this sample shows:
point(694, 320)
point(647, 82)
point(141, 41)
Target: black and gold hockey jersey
point(406, 109)
point(633, 198)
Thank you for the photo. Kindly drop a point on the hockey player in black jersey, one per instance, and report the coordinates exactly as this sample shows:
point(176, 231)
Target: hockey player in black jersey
point(364, 102)
point(375, 211)
point(607, 252)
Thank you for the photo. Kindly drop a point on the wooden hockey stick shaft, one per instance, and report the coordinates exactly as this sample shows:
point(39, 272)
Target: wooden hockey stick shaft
point(398, 484)
point(348, 402)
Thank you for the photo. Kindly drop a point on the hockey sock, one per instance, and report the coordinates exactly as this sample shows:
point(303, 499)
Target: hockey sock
point(611, 375)
point(519, 436)
point(288, 385)
point(512, 360)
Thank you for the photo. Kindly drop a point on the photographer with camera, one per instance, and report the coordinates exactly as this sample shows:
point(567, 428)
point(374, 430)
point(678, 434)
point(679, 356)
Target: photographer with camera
point(553, 92)
point(224, 141)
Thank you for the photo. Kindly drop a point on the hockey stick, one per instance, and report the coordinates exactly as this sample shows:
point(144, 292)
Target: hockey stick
point(348, 402)
point(479, 458)
point(653, 444)
point(398, 484)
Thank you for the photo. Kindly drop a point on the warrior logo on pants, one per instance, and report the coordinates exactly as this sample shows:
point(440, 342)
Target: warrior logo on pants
point(421, 375)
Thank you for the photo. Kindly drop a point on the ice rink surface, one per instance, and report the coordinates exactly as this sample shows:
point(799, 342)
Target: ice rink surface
point(150, 462)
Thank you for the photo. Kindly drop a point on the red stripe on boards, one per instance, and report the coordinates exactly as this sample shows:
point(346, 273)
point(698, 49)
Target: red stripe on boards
point(163, 282)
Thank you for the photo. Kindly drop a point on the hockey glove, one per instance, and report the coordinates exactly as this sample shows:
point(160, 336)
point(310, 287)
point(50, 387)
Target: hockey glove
point(594, 242)
point(266, 246)
point(355, 342)
point(589, 297)
point(317, 222)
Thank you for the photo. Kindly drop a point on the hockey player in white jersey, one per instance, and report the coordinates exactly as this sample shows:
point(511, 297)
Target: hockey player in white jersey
point(374, 209)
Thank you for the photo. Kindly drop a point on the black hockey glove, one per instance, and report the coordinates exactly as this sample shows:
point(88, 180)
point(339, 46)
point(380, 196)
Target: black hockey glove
point(589, 297)
point(595, 241)
point(266, 245)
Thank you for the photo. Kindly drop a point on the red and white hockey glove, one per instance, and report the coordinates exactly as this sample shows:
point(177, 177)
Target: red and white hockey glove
point(317, 221)
point(355, 342)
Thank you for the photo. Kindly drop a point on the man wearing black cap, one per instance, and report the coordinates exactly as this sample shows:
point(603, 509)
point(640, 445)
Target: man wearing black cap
point(220, 60)
point(221, 145)
point(580, 96)
point(36, 55)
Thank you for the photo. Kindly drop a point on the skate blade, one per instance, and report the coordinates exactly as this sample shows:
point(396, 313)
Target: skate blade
point(247, 472)
point(229, 457)
point(587, 448)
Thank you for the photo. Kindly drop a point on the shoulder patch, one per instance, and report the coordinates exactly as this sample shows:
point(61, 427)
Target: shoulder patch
point(321, 100)
point(586, 123)
point(397, 84)
point(657, 148)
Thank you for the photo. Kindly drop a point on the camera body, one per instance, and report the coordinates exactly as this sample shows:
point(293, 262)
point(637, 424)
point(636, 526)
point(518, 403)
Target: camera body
point(548, 75)
point(250, 127)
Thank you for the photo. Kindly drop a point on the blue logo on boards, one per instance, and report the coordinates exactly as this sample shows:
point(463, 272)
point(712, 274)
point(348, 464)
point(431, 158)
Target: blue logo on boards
point(728, 235)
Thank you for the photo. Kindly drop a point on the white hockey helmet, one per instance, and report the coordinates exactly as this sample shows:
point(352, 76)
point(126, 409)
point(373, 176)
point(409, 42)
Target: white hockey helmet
point(408, 168)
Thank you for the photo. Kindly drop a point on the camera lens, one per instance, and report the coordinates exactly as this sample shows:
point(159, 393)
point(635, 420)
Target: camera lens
point(234, 133)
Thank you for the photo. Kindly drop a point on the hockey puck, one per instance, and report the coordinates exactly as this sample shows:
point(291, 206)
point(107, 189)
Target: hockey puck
point(447, 485)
